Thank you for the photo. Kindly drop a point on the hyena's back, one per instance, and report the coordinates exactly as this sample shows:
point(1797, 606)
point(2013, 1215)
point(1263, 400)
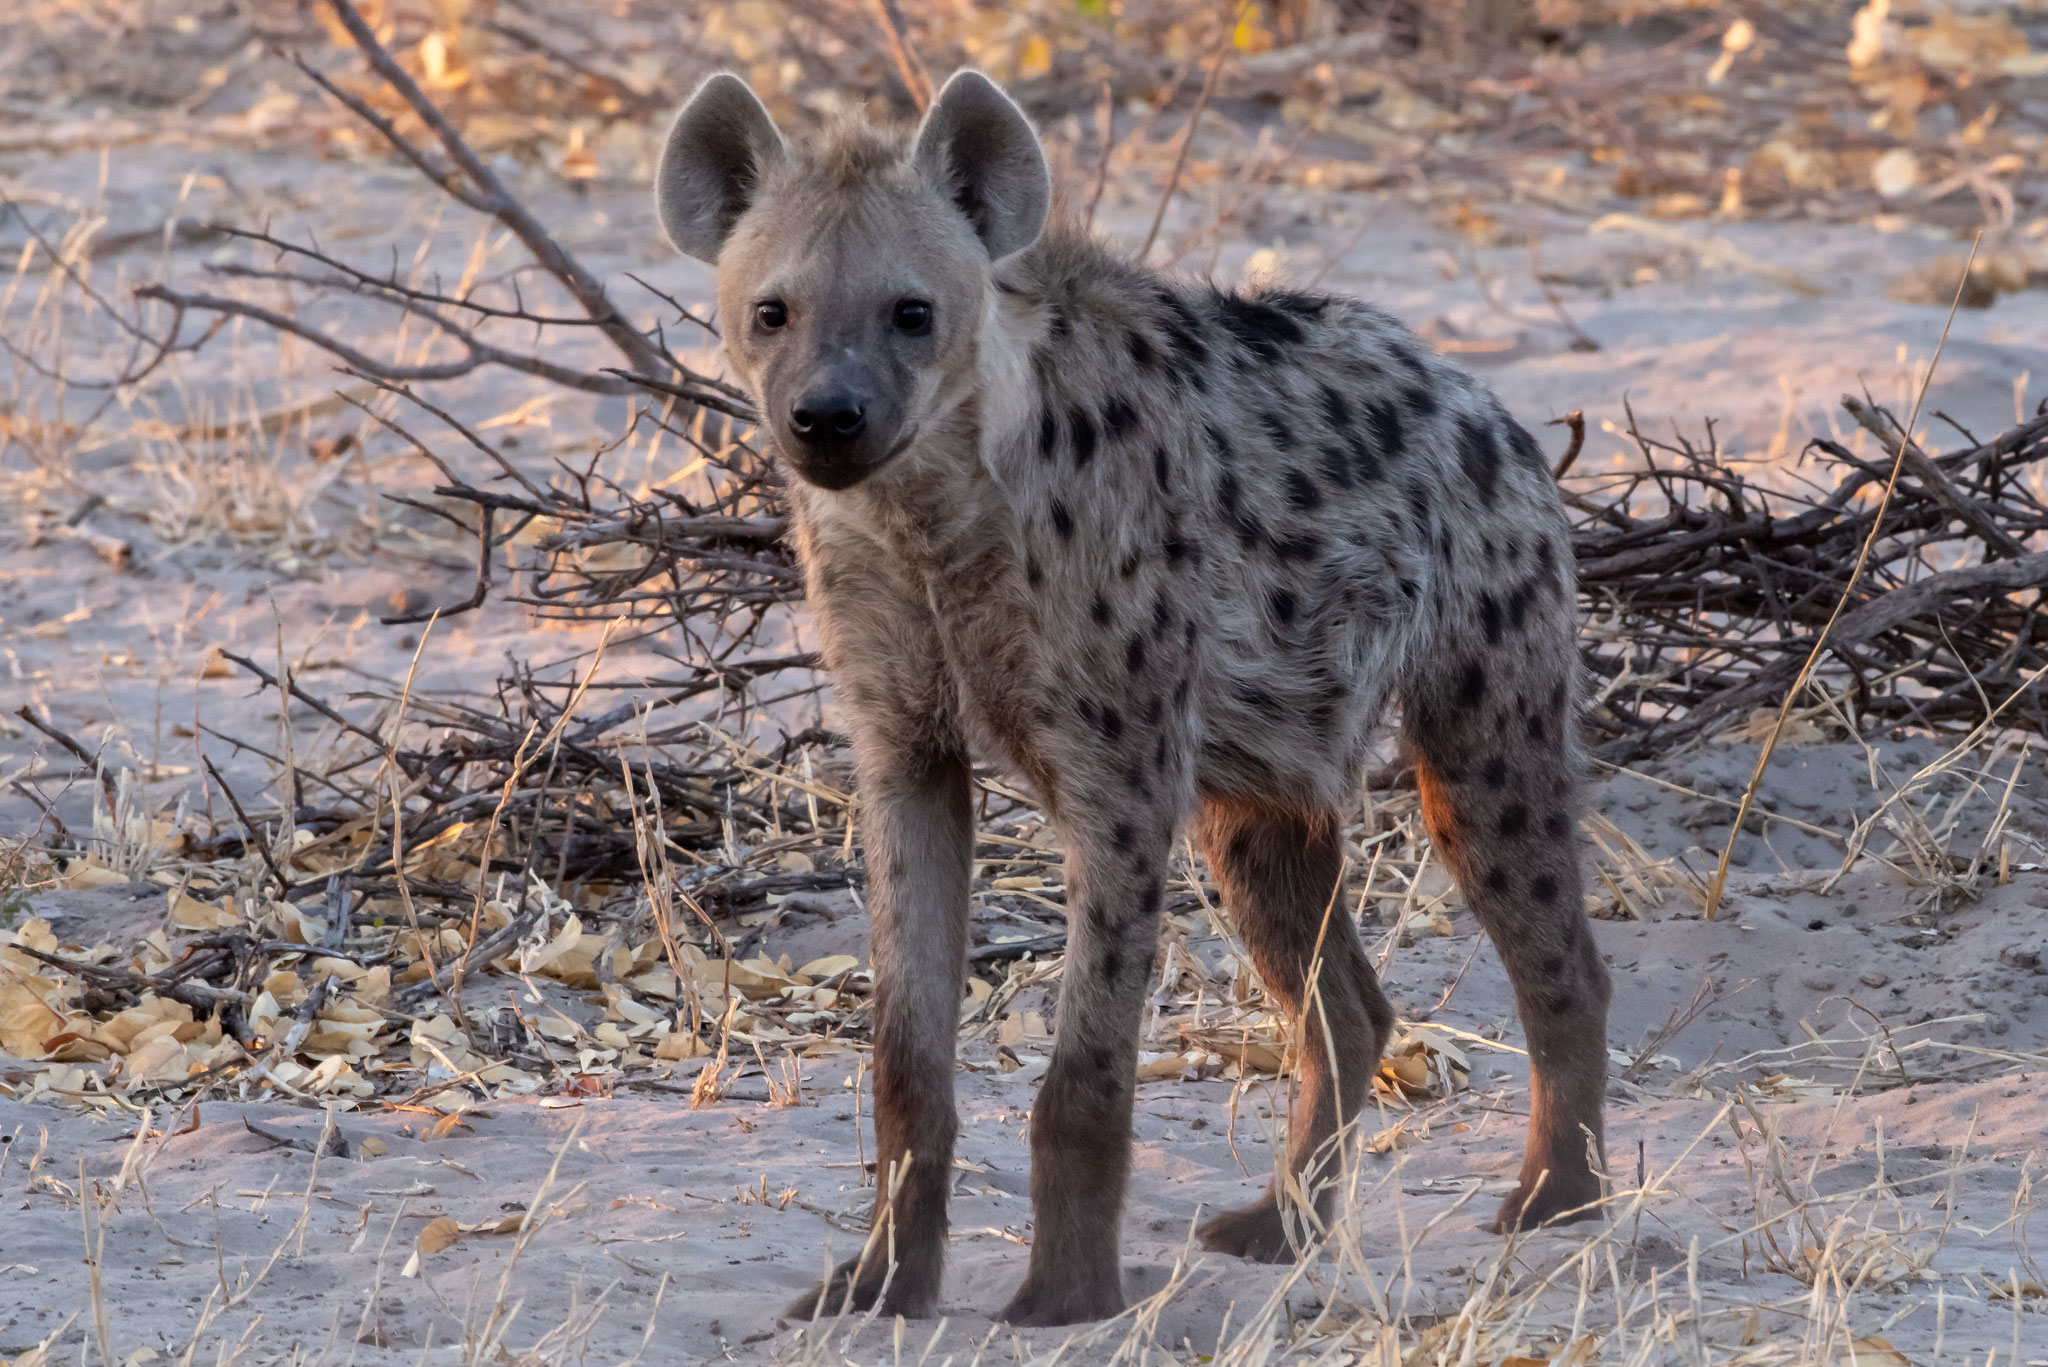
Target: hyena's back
point(1296, 486)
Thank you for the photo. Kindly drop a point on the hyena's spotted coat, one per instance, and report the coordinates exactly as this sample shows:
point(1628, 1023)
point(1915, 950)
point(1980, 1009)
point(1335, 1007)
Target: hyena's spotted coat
point(1167, 552)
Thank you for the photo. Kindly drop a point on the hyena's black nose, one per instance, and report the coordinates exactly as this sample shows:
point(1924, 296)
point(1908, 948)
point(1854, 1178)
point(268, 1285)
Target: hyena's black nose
point(828, 419)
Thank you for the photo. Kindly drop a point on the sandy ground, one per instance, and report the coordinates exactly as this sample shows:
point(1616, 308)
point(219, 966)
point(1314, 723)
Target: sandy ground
point(675, 1233)
point(685, 1230)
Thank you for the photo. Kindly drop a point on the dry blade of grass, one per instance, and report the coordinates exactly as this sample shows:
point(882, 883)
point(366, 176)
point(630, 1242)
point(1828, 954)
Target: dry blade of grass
point(1719, 881)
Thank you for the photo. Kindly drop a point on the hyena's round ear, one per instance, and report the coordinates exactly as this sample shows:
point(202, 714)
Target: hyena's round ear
point(980, 150)
point(717, 151)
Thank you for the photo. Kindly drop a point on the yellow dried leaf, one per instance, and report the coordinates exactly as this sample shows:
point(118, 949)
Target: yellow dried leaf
point(1036, 59)
point(91, 873)
point(193, 914)
point(679, 1045)
point(828, 967)
point(1871, 1351)
point(438, 1234)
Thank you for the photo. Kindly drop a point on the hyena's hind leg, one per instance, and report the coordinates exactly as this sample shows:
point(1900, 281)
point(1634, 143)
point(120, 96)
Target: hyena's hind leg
point(1277, 870)
point(1497, 759)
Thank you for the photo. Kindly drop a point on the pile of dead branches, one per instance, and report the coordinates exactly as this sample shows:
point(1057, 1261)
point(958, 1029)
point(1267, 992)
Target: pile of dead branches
point(1705, 590)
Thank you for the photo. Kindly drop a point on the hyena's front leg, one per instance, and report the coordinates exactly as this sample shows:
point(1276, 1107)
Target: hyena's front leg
point(1081, 1123)
point(917, 829)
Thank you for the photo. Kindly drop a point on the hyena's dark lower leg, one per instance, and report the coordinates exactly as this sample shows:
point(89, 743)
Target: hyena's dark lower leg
point(1081, 1122)
point(918, 833)
point(1497, 759)
point(1277, 870)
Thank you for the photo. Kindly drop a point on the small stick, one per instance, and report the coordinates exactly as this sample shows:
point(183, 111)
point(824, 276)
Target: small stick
point(1576, 421)
point(915, 79)
point(284, 884)
point(78, 751)
point(1187, 138)
point(485, 512)
point(1105, 133)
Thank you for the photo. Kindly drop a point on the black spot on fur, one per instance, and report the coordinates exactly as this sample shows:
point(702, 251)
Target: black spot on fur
point(1120, 836)
point(1033, 575)
point(1420, 402)
point(1557, 825)
point(1062, 521)
point(1111, 722)
point(1303, 547)
point(1134, 655)
point(1119, 417)
point(1495, 878)
point(1495, 775)
point(1162, 617)
point(1300, 303)
point(1514, 821)
point(1142, 353)
point(1404, 356)
point(1259, 327)
point(1524, 446)
point(1553, 966)
point(1278, 430)
point(1081, 430)
point(1337, 466)
point(1219, 443)
point(1254, 696)
point(1284, 605)
point(1302, 492)
point(1048, 433)
point(1417, 498)
point(1479, 457)
point(1535, 726)
point(1230, 494)
point(1148, 900)
point(1471, 686)
point(1183, 330)
point(1489, 618)
point(1176, 550)
point(1384, 421)
point(1544, 888)
point(1130, 565)
point(1336, 411)
point(1160, 473)
point(1099, 610)
point(1056, 322)
point(1364, 463)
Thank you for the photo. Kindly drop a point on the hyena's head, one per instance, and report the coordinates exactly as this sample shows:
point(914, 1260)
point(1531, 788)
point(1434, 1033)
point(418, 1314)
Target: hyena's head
point(852, 274)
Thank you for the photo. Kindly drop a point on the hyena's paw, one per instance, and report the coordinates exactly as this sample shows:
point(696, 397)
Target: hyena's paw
point(1063, 1299)
point(1533, 1205)
point(1257, 1232)
point(909, 1296)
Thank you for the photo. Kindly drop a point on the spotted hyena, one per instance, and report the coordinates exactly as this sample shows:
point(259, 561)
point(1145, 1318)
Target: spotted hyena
point(1166, 552)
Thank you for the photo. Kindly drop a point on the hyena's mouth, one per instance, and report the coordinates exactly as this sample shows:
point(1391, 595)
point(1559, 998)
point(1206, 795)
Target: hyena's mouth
point(837, 476)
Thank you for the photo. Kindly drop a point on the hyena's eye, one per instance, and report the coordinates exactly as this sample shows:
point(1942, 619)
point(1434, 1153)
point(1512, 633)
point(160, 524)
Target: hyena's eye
point(913, 316)
point(771, 313)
